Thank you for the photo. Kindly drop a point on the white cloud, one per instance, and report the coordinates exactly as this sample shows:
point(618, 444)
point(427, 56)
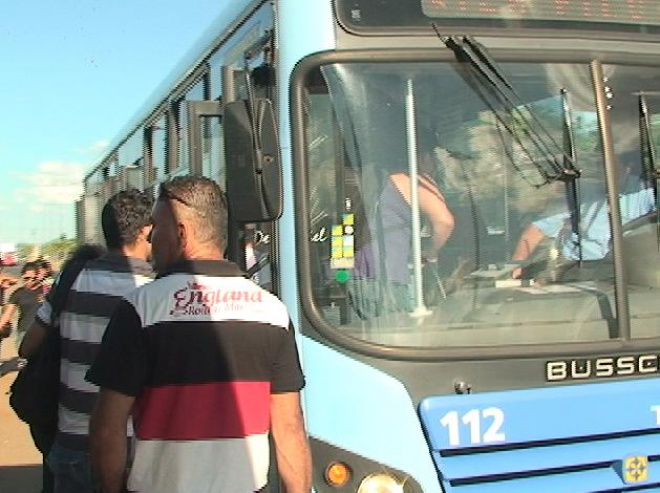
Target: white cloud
point(95, 148)
point(54, 183)
point(37, 208)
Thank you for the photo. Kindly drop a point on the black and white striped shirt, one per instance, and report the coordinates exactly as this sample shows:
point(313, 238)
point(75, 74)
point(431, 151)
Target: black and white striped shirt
point(90, 303)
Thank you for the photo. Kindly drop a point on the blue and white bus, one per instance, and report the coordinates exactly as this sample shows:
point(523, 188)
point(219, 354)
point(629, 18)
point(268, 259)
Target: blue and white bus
point(456, 200)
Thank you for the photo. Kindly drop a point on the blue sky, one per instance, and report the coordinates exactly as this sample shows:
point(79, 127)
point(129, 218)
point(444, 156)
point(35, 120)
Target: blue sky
point(72, 73)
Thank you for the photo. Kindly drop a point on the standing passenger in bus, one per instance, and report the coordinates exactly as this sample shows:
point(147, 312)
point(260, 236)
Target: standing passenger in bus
point(209, 366)
point(382, 273)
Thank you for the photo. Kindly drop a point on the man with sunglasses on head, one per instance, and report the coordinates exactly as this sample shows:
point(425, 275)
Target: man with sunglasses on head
point(209, 366)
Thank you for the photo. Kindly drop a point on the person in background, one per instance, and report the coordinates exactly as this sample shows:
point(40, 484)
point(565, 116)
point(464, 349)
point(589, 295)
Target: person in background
point(126, 225)
point(209, 366)
point(24, 301)
point(43, 436)
point(6, 282)
point(45, 274)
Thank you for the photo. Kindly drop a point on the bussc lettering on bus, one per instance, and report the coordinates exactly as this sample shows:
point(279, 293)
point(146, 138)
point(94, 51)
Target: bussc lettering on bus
point(583, 369)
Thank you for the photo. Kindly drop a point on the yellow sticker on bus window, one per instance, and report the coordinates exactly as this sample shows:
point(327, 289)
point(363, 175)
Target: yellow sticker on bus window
point(342, 263)
point(348, 219)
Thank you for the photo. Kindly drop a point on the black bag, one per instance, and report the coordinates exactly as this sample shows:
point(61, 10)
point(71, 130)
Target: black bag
point(35, 392)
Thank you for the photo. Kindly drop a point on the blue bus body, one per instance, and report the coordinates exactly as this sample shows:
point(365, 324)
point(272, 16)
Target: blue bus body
point(489, 368)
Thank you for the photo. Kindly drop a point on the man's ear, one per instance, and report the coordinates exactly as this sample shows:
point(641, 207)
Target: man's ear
point(146, 232)
point(184, 234)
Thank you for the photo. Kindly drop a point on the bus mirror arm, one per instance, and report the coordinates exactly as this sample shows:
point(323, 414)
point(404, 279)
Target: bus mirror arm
point(252, 154)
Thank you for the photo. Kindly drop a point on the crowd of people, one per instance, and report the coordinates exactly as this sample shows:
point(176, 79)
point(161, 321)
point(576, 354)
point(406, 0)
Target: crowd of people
point(176, 368)
point(160, 388)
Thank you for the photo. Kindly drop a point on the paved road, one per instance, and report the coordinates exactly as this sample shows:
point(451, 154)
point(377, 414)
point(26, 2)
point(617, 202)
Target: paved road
point(20, 461)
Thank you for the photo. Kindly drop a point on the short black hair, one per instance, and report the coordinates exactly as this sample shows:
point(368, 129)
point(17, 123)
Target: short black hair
point(29, 266)
point(207, 203)
point(42, 263)
point(124, 216)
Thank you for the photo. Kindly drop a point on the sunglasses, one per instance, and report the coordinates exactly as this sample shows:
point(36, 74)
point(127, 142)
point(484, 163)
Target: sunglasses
point(172, 196)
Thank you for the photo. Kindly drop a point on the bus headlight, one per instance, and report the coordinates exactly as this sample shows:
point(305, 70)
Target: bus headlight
point(380, 483)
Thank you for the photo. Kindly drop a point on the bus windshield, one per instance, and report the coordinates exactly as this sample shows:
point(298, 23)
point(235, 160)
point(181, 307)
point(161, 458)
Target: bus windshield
point(434, 225)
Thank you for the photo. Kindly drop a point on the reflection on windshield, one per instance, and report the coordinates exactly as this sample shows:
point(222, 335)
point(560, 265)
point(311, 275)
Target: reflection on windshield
point(430, 225)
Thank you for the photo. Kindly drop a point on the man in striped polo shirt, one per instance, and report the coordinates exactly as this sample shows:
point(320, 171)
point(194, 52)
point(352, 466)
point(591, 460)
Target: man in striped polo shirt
point(126, 225)
point(209, 366)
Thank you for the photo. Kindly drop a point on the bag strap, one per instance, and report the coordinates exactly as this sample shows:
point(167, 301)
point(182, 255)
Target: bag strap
point(58, 295)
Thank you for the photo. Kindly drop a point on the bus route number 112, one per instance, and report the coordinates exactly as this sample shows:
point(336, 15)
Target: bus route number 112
point(485, 426)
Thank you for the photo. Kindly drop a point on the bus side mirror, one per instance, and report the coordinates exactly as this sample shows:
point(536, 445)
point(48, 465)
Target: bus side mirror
point(254, 172)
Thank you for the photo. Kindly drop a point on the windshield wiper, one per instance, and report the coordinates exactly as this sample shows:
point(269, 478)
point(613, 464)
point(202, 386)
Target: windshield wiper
point(649, 161)
point(488, 79)
point(570, 160)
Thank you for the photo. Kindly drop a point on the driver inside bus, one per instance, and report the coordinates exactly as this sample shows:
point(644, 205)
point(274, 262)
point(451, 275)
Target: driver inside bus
point(635, 200)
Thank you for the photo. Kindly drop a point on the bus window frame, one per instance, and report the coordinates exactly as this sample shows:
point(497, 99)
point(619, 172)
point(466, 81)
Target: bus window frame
point(323, 330)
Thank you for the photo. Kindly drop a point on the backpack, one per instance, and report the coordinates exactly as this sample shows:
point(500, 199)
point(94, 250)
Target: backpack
point(34, 395)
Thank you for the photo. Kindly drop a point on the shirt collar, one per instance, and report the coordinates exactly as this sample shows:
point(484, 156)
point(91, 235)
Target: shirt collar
point(216, 268)
point(120, 262)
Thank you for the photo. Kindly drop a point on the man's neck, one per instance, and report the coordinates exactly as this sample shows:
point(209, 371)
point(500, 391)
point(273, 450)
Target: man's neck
point(202, 252)
point(130, 251)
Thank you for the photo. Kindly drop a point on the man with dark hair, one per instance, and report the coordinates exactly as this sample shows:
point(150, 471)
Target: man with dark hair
point(24, 301)
point(123, 218)
point(209, 366)
point(126, 224)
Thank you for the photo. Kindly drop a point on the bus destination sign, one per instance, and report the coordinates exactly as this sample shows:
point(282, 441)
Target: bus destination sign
point(569, 16)
point(601, 11)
